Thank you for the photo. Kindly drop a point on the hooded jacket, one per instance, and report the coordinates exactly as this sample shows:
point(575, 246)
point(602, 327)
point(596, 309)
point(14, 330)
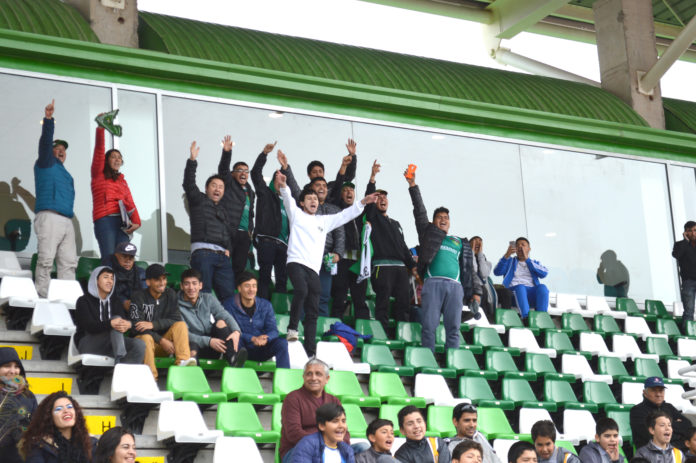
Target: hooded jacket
point(268, 201)
point(560, 455)
point(310, 449)
point(594, 453)
point(162, 312)
point(93, 315)
point(201, 317)
point(420, 451)
point(16, 411)
point(655, 454)
point(127, 281)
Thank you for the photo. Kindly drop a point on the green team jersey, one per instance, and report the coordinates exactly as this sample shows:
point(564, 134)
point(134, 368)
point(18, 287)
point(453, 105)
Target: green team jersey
point(445, 264)
point(284, 231)
point(244, 221)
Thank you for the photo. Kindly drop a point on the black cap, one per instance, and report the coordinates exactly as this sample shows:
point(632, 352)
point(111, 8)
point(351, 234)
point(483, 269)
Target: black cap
point(124, 247)
point(348, 184)
point(155, 271)
point(57, 142)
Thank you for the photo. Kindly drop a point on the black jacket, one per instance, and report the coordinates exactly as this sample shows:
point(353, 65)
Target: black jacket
point(163, 312)
point(353, 229)
point(127, 281)
point(208, 220)
point(419, 451)
point(685, 254)
point(387, 238)
point(90, 315)
point(268, 215)
point(15, 412)
point(234, 198)
point(430, 238)
point(639, 427)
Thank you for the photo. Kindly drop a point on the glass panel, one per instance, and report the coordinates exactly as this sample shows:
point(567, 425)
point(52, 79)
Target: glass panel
point(682, 184)
point(138, 117)
point(581, 206)
point(23, 103)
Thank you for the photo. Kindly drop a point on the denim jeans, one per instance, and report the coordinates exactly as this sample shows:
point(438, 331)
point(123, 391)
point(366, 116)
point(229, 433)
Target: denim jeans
point(277, 347)
point(216, 269)
point(441, 296)
point(688, 294)
point(531, 296)
point(272, 255)
point(108, 233)
point(325, 280)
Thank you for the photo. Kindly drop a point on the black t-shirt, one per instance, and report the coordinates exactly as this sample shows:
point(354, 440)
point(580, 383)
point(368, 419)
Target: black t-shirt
point(249, 310)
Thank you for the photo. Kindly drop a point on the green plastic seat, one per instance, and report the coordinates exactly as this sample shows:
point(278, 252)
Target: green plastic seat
point(668, 327)
point(423, 360)
point(440, 420)
point(345, 386)
point(560, 341)
point(488, 338)
point(647, 367)
point(479, 392)
point(189, 383)
point(282, 322)
point(441, 339)
point(606, 325)
point(520, 392)
point(85, 266)
point(542, 365)
point(508, 318)
point(409, 333)
point(628, 305)
point(691, 328)
point(324, 325)
point(142, 264)
point(574, 323)
point(280, 303)
point(623, 419)
point(656, 308)
point(213, 364)
point(615, 367)
point(267, 366)
point(162, 363)
point(286, 380)
point(240, 420)
point(597, 392)
point(465, 363)
point(661, 347)
point(493, 424)
point(381, 359)
point(175, 271)
point(561, 392)
point(390, 389)
point(541, 321)
point(374, 328)
point(243, 384)
point(503, 362)
point(277, 417)
point(355, 420)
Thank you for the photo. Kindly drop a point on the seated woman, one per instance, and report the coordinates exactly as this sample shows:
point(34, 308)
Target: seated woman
point(117, 445)
point(17, 404)
point(101, 321)
point(57, 433)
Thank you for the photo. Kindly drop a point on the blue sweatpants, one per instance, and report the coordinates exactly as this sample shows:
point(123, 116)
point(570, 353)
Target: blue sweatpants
point(531, 296)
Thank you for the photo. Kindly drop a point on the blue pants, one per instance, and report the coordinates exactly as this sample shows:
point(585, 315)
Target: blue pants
point(216, 269)
point(441, 296)
point(325, 293)
point(688, 294)
point(108, 232)
point(277, 347)
point(531, 296)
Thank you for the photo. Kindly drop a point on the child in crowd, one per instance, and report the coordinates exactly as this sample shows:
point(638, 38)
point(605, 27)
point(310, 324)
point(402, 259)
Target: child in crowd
point(418, 448)
point(522, 452)
point(544, 437)
point(659, 449)
point(467, 451)
point(325, 446)
point(606, 446)
point(380, 433)
point(690, 443)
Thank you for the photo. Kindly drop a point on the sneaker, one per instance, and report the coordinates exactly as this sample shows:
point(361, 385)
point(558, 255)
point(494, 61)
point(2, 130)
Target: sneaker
point(239, 359)
point(191, 362)
point(292, 335)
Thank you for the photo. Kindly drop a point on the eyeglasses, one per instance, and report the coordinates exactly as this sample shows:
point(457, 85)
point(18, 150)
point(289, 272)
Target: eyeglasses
point(241, 171)
point(60, 408)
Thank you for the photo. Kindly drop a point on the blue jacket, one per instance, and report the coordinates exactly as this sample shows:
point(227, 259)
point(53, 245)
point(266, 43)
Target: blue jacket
point(263, 321)
point(311, 450)
point(55, 189)
point(508, 267)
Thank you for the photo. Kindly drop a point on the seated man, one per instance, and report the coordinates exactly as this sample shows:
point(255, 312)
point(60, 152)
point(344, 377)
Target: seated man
point(544, 438)
point(212, 331)
point(380, 433)
point(298, 415)
point(327, 444)
point(521, 275)
point(465, 419)
point(418, 448)
point(129, 277)
point(522, 452)
point(654, 401)
point(659, 449)
point(690, 443)
point(257, 320)
point(157, 321)
point(101, 322)
point(606, 445)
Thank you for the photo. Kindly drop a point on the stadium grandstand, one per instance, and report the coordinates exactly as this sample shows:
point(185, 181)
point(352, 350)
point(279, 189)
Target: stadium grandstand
point(567, 164)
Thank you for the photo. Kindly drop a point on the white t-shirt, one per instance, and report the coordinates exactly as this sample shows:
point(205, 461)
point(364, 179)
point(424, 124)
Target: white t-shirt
point(522, 275)
point(332, 455)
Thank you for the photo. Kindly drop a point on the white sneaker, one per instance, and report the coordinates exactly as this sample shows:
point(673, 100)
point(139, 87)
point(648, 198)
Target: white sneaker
point(292, 335)
point(187, 363)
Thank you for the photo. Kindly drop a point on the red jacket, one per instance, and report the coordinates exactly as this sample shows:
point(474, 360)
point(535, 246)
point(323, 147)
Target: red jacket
point(107, 192)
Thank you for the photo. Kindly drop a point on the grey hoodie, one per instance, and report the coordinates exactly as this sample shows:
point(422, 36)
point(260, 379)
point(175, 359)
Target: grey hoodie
point(655, 454)
point(559, 456)
point(202, 316)
point(594, 453)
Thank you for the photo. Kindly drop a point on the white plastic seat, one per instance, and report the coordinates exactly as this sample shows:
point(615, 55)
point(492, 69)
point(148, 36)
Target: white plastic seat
point(565, 303)
point(337, 357)
point(595, 305)
point(578, 425)
point(243, 448)
point(639, 327)
point(632, 393)
point(183, 421)
point(595, 344)
point(686, 348)
point(18, 292)
point(398, 442)
point(523, 339)
point(577, 365)
point(297, 354)
point(673, 395)
point(65, 291)
point(678, 308)
point(673, 367)
point(529, 416)
point(136, 384)
point(625, 344)
point(9, 266)
point(52, 319)
point(501, 447)
point(434, 389)
point(483, 321)
point(75, 357)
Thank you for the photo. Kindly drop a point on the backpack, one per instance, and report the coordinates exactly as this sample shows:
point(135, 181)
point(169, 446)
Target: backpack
point(347, 335)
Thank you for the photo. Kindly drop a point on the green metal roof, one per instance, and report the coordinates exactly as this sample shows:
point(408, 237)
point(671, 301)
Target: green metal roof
point(377, 68)
point(46, 17)
point(672, 12)
point(680, 115)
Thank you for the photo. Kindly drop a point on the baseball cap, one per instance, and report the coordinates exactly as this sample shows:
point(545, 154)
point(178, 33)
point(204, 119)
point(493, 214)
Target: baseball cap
point(155, 271)
point(349, 185)
point(382, 192)
point(57, 142)
point(126, 248)
point(654, 381)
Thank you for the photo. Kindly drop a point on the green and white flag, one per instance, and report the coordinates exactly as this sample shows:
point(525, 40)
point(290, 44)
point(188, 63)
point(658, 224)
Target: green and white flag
point(363, 267)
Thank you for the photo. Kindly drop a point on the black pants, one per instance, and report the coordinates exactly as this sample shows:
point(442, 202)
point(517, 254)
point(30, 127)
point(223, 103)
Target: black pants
point(272, 255)
point(504, 297)
point(390, 281)
point(305, 282)
point(342, 281)
point(241, 242)
point(207, 352)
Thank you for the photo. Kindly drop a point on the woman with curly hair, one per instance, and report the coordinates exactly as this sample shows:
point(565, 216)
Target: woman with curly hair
point(117, 445)
point(57, 433)
point(17, 403)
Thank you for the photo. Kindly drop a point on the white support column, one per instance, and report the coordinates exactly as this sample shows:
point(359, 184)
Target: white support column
point(505, 56)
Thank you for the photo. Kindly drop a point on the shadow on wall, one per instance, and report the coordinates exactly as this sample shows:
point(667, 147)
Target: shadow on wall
point(613, 274)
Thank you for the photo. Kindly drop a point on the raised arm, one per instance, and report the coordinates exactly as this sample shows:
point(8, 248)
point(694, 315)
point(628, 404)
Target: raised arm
point(419, 211)
point(99, 151)
point(290, 205)
point(46, 158)
point(226, 159)
point(349, 173)
point(336, 220)
point(190, 187)
point(257, 169)
point(290, 177)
